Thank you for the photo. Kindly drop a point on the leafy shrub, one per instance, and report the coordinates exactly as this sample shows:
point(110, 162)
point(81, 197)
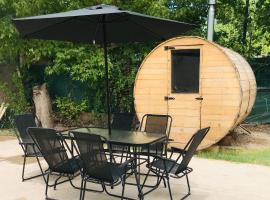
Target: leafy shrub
point(15, 96)
point(68, 108)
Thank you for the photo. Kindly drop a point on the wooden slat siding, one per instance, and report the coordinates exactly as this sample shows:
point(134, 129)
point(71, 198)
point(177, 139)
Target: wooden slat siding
point(227, 85)
point(248, 84)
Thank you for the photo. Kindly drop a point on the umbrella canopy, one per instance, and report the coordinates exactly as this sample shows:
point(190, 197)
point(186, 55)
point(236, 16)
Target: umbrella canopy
point(86, 25)
point(100, 24)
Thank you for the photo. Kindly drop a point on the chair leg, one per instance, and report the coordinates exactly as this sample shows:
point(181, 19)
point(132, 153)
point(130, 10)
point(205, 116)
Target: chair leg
point(188, 184)
point(123, 186)
point(24, 161)
point(188, 188)
point(84, 186)
point(146, 176)
point(55, 182)
point(81, 189)
point(42, 173)
point(140, 195)
point(47, 184)
point(164, 182)
point(23, 170)
point(169, 187)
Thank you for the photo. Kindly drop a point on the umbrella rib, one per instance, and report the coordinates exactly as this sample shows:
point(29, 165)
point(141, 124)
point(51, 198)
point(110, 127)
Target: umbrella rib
point(49, 26)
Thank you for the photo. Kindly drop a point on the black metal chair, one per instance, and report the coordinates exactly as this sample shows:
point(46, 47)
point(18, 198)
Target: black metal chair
point(97, 167)
point(123, 121)
point(126, 122)
point(52, 146)
point(22, 122)
point(176, 168)
point(152, 123)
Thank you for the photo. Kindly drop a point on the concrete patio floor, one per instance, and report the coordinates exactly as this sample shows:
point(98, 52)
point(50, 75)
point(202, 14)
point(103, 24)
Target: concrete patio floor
point(211, 179)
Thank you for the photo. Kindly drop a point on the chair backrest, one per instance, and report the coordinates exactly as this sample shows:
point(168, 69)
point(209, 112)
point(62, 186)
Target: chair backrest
point(191, 148)
point(152, 123)
point(122, 121)
point(92, 154)
point(22, 122)
point(50, 145)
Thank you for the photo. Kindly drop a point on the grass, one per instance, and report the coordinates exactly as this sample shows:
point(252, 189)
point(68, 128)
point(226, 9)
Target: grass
point(7, 132)
point(254, 156)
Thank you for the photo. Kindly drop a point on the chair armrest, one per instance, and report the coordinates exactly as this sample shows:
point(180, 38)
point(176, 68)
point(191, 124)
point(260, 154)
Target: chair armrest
point(168, 140)
point(162, 158)
point(26, 143)
point(125, 164)
point(178, 150)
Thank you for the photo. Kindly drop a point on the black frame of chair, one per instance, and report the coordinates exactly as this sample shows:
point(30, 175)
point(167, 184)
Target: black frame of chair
point(118, 119)
point(108, 159)
point(143, 127)
point(167, 167)
point(22, 122)
point(156, 149)
point(56, 168)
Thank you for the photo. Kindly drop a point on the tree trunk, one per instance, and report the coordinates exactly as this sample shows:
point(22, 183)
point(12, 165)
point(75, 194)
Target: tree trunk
point(245, 24)
point(43, 105)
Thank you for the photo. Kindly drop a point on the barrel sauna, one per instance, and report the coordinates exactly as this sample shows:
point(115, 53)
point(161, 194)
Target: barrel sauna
point(199, 83)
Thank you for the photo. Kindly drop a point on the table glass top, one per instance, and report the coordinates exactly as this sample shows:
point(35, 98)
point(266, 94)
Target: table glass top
point(121, 136)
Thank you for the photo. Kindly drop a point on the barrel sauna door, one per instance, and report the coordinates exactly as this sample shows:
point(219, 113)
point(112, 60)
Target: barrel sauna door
point(184, 99)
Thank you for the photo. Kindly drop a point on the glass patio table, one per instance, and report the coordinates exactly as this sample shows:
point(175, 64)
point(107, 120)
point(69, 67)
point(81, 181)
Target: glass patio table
point(121, 137)
point(134, 139)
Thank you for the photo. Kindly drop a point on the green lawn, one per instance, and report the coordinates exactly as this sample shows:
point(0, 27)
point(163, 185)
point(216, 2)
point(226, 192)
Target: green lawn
point(7, 132)
point(254, 156)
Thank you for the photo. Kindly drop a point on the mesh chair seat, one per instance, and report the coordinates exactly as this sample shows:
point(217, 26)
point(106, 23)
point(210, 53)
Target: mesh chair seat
point(116, 172)
point(168, 165)
point(70, 166)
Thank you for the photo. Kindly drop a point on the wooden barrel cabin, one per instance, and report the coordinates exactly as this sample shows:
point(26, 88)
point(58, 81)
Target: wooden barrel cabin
point(197, 82)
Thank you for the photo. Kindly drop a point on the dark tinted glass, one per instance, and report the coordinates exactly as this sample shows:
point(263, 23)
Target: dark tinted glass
point(185, 70)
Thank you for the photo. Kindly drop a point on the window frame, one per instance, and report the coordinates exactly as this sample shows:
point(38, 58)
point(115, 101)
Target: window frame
point(199, 67)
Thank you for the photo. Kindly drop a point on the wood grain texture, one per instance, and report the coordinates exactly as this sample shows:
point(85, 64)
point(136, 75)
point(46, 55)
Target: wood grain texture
point(227, 85)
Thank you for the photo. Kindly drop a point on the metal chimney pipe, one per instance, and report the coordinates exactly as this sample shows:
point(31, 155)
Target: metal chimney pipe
point(211, 20)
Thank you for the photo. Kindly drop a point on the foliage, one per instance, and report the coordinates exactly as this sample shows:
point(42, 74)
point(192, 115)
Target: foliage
point(15, 97)
point(82, 64)
point(229, 26)
point(68, 109)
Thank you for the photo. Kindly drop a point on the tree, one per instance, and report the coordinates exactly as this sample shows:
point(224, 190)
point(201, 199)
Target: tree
point(81, 65)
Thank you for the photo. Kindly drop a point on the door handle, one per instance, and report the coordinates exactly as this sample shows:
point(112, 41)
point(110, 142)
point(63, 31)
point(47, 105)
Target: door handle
point(199, 98)
point(167, 98)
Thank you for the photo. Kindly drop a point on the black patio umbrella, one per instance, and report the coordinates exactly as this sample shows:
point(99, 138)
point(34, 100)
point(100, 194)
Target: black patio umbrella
point(101, 24)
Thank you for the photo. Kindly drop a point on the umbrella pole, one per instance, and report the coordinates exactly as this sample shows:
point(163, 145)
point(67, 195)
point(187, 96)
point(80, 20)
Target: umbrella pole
point(106, 72)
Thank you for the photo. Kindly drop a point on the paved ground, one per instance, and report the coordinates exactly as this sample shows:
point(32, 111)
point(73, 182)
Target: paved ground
point(210, 180)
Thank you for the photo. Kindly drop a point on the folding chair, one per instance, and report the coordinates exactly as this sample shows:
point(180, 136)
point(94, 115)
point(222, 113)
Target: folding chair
point(97, 167)
point(122, 121)
point(176, 168)
point(161, 124)
point(52, 147)
point(22, 122)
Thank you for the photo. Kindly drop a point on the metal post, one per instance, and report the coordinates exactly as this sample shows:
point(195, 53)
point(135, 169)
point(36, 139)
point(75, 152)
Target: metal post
point(211, 19)
point(106, 72)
